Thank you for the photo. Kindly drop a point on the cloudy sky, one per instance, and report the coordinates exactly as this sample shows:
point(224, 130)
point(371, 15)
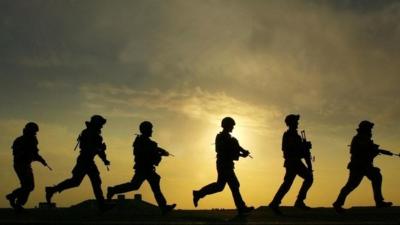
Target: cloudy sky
point(184, 65)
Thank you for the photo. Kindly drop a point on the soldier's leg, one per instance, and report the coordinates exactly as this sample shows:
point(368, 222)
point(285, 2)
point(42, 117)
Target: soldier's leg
point(154, 181)
point(234, 185)
point(213, 187)
point(307, 175)
point(285, 186)
point(27, 186)
point(94, 176)
point(20, 171)
point(78, 173)
point(355, 178)
point(375, 176)
point(133, 185)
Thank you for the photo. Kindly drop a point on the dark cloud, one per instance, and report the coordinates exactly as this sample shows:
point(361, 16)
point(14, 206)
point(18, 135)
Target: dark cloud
point(48, 33)
point(329, 59)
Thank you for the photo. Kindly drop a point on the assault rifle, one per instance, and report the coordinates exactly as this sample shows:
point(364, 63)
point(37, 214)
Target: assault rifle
point(307, 148)
point(239, 151)
point(386, 152)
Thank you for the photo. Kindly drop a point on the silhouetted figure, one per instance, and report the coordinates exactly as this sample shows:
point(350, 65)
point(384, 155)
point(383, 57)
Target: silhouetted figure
point(363, 151)
point(25, 151)
point(294, 148)
point(91, 144)
point(147, 156)
point(228, 150)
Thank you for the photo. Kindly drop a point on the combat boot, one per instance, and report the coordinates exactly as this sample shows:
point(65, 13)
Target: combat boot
point(301, 205)
point(49, 194)
point(383, 204)
point(275, 208)
point(245, 209)
point(338, 208)
point(110, 193)
point(11, 200)
point(167, 208)
point(196, 198)
point(19, 208)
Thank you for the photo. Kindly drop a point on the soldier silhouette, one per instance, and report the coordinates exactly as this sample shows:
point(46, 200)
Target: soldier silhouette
point(294, 148)
point(228, 150)
point(91, 144)
point(363, 151)
point(147, 156)
point(25, 151)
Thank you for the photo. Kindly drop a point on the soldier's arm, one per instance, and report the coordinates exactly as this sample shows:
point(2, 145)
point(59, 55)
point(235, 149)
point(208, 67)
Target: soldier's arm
point(289, 143)
point(17, 148)
point(243, 152)
point(36, 155)
point(307, 155)
point(162, 151)
point(102, 150)
point(220, 145)
point(356, 147)
point(308, 162)
point(363, 147)
point(40, 159)
point(286, 144)
point(374, 148)
point(102, 155)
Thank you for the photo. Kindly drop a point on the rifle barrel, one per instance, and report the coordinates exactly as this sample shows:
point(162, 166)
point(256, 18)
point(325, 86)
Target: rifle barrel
point(385, 152)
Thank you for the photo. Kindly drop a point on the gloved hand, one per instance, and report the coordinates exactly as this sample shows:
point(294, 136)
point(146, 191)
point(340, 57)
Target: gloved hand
point(245, 153)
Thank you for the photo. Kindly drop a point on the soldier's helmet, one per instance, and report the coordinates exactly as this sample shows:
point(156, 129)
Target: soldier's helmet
point(31, 127)
point(97, 120)
point(227, 122)
point(291, 118)
point(145, 127)
point(365, 125)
